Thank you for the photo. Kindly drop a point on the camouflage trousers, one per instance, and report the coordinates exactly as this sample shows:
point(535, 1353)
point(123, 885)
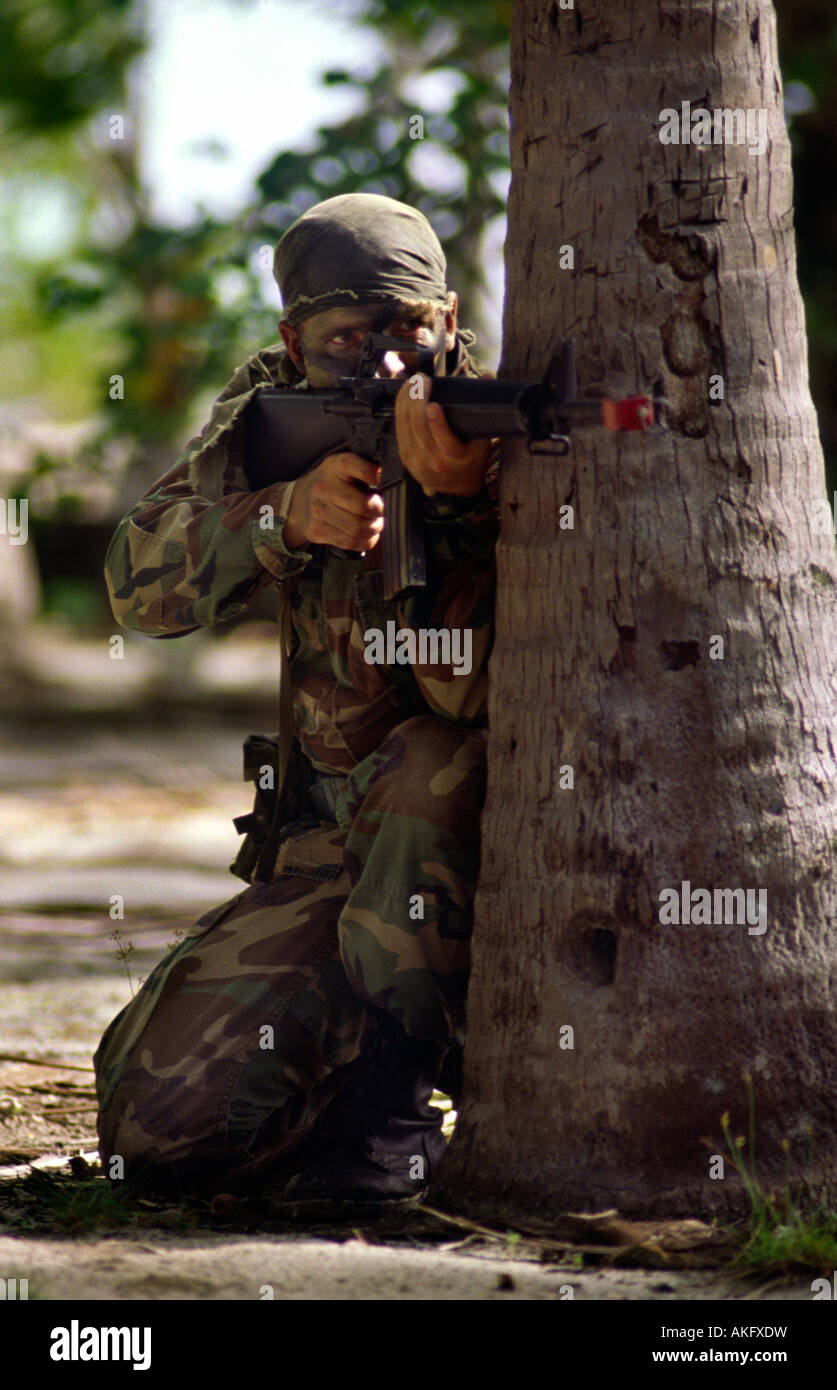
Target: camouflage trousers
point(221, 1065)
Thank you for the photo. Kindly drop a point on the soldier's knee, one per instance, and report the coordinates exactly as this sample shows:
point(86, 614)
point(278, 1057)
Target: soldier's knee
point(427, 772)
point(438, 754)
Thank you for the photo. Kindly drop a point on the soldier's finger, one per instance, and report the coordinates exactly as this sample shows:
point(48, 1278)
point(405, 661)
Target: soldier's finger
point(348, 465)
point(411, 420)
point(339, 530)
point(430, 432)
point(347, 497)
point(443, 441)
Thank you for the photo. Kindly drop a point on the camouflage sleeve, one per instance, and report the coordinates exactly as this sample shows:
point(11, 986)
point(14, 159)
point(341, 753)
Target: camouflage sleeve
point(460, 535)
point(199, 546)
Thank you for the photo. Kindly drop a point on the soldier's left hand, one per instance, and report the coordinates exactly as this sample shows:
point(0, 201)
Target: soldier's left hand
point(429, 448)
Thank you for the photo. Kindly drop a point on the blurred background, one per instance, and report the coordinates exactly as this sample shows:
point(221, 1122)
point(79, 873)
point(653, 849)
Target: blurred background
point(151, 154)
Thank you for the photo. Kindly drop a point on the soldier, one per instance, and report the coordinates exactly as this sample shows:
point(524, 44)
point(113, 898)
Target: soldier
point(292, 1041)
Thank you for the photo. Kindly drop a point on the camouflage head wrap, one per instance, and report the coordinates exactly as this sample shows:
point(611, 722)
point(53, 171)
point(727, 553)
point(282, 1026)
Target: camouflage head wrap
point(354, 249)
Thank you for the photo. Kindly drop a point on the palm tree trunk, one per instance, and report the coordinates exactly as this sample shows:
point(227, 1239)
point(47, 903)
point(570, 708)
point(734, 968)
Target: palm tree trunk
point(675, 649)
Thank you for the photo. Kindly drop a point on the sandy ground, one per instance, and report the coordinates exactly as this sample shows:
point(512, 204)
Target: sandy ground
point(243, 1267)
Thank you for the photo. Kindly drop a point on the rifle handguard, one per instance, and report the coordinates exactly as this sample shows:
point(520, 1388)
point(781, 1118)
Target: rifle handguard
point(289, 432)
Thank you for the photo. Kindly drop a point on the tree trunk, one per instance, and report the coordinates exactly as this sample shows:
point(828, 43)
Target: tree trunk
point(675, 649)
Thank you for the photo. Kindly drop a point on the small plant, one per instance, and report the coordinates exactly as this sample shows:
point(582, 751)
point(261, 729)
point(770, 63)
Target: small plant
point(124, 951)
point(78, 1207)
point(791, 1231)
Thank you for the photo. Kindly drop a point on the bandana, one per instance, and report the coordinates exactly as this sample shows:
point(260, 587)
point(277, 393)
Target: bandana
point(354, 249)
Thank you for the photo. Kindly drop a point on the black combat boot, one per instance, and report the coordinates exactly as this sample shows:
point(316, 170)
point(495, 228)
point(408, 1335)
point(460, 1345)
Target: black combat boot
point(380, 1140)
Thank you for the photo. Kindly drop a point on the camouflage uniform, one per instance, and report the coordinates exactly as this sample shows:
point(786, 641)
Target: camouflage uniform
point(221, 1065)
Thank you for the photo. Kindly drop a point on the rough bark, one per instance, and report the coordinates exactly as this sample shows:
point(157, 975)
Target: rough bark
point(722, 771)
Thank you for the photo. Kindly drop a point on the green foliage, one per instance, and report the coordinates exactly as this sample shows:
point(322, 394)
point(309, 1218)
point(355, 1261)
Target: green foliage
point(79, 1208)
point(174, 309)
point(76, 600)
point(379, 151)
point(790, 1231)
point(124, 951)
point(180, 332)
point(60, 62)
point(783, 1244)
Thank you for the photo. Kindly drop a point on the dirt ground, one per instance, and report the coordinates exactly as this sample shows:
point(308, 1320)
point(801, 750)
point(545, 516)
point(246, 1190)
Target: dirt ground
point(140, 809)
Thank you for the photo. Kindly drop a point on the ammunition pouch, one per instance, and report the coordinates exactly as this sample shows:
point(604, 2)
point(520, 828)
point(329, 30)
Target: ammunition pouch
point(274, 807)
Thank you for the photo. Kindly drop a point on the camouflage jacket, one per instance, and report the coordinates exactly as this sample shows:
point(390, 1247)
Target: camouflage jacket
point(198, 548)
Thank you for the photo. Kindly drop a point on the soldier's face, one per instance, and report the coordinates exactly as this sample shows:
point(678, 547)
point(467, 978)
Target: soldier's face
point(335, 337)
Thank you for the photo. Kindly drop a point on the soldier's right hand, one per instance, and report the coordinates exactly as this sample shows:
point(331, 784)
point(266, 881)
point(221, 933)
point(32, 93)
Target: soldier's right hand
point(328, 508)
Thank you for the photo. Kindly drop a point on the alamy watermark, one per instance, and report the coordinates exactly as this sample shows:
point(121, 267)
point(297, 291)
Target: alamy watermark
point(723, 907)
point(13, 1289)
point(721, 126)
point(14, 519)
point(423, 646)
point(824, 520)
point(82, 1343)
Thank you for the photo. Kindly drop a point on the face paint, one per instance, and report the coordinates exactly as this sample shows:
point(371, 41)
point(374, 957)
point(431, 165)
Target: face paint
point(432, 340)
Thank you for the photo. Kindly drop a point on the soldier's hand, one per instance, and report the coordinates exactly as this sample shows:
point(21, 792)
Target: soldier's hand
point(327, 508)
point(430, 450)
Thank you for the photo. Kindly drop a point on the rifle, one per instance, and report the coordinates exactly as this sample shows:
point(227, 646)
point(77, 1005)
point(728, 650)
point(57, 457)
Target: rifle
point(289, 432)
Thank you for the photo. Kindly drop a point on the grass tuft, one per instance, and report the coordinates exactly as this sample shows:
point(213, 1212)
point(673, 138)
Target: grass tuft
point(792, 1231)
point(79, 1207)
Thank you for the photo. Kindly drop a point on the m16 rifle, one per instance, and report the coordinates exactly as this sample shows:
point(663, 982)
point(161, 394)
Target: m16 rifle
point(288, 432)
